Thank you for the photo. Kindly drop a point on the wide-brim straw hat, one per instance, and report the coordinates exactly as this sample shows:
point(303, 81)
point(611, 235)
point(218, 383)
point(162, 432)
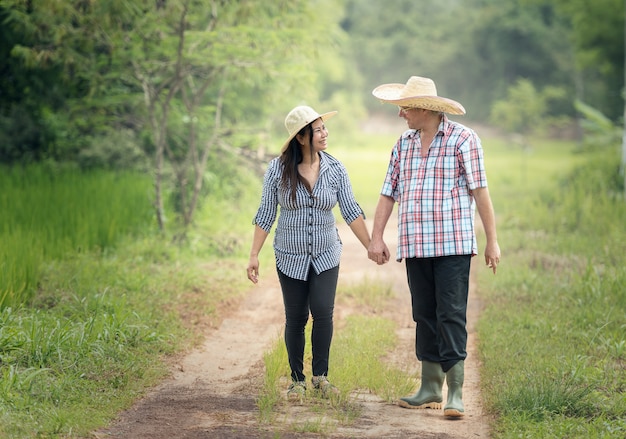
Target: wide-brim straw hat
point(418, 92)
point(300, 117)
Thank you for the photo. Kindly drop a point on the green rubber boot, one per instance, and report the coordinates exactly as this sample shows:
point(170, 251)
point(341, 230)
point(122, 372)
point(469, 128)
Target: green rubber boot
point(429, 395)
point(455, 377)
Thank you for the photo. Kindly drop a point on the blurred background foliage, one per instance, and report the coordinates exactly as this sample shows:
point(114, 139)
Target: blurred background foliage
point(110, 108)
point(84, 81)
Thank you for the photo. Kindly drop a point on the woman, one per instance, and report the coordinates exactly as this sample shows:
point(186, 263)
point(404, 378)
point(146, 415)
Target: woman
point(306, 182)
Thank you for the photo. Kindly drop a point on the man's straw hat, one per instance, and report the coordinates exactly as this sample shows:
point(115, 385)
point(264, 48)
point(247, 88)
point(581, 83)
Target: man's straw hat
point(300, 117)
point(418, 92)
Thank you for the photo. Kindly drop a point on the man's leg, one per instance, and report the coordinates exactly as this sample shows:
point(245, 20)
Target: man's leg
point(452, 279)
point(420, 275)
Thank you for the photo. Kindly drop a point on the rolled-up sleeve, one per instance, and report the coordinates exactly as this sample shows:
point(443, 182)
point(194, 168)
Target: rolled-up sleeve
point(306, 234)
point(471, 153)
point(390, 185)
point(268, 208)
point(350, 209)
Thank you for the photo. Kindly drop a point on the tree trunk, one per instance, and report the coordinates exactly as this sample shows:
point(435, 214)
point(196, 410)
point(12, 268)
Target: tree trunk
point(200, 161)
point(623, 165)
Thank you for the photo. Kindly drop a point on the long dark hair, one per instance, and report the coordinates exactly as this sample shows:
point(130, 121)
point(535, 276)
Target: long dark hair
point(291, 158)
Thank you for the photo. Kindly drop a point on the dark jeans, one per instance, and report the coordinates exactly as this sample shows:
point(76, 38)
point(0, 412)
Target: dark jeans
point(439, 289)
point(317, 295)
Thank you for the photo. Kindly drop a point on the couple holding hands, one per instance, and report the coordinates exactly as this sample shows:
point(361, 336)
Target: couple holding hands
point(436, 174)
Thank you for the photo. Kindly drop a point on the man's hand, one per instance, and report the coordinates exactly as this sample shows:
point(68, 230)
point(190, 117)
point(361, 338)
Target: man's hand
point(492, 256)
point(378, 251)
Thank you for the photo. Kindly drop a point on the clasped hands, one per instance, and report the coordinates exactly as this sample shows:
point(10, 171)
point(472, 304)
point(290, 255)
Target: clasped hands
point(378, 252)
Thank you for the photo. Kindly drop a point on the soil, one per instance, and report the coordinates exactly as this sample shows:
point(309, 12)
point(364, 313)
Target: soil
point(212, 391)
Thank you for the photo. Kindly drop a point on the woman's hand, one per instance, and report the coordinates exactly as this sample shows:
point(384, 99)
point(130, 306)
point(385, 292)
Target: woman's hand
point(253, 269)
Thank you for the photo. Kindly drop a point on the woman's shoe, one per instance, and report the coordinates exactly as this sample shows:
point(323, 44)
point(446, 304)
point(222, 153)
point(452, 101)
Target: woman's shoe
point(296, 390)
point(322, 384)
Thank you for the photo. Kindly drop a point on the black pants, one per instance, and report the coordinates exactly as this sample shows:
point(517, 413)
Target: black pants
point(317, 295)
point(439, 290)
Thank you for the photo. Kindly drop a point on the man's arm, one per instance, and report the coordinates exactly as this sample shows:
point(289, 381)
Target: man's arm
point(488, 218)
point(377, 250)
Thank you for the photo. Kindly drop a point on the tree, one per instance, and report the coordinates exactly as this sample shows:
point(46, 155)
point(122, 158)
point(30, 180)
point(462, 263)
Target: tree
point(196, 80)
point(623, 165)
point(595, 31)
point(525, 109)
point(474, 50)
point(599, 36)
point(49, 57)
point(391, 41)
point(192, 58)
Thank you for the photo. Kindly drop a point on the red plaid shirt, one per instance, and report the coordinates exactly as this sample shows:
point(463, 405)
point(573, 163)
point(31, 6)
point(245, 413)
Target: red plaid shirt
point(434, 193)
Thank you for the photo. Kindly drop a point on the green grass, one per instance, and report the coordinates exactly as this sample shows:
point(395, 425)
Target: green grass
point(552, 334)
point(109, 300)
point(47, 214)
point(360, 344)
point(83, 353)
point(551, 337)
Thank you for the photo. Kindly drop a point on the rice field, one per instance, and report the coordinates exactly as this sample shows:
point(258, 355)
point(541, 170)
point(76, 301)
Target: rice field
point(48, 213)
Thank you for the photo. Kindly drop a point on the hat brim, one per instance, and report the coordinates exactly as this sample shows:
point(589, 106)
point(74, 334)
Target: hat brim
point(323, 116)
point(392, 94)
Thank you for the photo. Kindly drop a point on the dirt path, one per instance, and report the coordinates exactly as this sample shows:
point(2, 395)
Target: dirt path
point(211, 393)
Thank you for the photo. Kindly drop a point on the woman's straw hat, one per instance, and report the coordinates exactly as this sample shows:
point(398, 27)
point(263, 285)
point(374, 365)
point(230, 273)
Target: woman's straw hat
point(418, 92)
point(300, 117)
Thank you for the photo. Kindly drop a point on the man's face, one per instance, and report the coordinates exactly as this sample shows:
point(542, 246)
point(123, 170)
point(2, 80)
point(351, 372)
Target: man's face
point(415, 117)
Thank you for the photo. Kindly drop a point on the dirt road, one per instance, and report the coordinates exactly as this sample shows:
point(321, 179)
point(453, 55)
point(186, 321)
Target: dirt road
point(211, 393)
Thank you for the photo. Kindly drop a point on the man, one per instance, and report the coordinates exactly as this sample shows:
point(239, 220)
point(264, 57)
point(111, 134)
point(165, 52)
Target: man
point(436, 175)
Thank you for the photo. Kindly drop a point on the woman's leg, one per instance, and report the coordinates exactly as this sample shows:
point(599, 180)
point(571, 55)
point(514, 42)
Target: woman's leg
point(322, 289)
point(296, 301)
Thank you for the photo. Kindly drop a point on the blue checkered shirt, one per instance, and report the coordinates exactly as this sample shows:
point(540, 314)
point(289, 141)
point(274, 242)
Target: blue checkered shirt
point(306, 235)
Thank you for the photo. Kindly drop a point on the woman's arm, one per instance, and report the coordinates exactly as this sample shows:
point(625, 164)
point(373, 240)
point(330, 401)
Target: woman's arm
point(359, 228)
point(257, 244)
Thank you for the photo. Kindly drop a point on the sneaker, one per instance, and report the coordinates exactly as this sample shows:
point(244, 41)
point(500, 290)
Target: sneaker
point(322, 384)
point(296, 390)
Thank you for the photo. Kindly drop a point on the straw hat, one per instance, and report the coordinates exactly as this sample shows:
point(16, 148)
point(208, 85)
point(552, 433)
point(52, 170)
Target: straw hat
point(418, 92)
point(300, 117)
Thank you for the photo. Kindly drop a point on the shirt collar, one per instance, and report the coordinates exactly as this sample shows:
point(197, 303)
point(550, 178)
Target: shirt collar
point(443, 127)
point(323, 161)
point(444, 124)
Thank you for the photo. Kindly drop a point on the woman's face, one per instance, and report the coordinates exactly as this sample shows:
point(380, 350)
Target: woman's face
point(318, 140)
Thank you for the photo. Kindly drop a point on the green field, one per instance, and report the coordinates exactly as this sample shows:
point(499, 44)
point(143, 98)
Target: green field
point(553, 332)
point(92, 294)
